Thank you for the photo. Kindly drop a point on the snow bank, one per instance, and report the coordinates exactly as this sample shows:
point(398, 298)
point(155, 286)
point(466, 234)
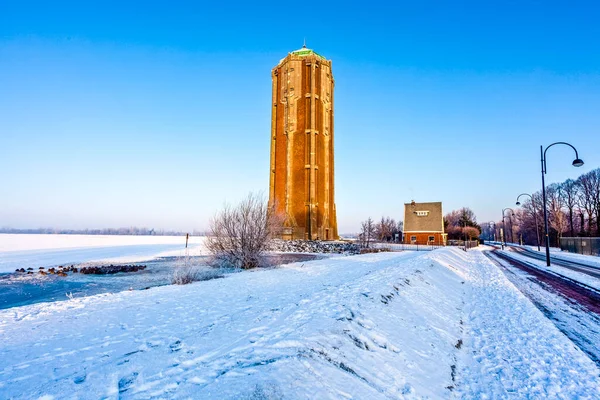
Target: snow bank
point(387, 325)
point(581, 277)
point(565, 255)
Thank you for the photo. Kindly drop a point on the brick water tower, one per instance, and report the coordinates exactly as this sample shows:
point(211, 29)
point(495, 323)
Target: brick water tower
point(301, 186)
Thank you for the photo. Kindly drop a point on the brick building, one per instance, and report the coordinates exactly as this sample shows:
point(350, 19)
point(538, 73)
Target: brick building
point(301, 185)
point(424, 223)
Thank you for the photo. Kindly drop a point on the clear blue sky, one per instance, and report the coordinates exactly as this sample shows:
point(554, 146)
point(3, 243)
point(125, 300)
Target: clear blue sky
point(146, 114)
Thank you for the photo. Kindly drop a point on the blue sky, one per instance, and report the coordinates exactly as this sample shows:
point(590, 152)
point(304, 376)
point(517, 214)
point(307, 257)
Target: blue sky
point(156, 114)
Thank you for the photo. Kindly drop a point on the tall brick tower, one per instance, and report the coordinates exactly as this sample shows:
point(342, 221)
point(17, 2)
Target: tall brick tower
point(302, 176)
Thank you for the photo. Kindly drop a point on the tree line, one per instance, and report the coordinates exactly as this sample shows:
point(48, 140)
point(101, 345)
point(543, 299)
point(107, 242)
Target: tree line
point(458, 224)
point(462, 224)
point(384, 230)
point(573, 208)
point(103, 231)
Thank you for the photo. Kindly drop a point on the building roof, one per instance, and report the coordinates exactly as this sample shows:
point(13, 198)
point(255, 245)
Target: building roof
point(306, 52)
point(423, 217)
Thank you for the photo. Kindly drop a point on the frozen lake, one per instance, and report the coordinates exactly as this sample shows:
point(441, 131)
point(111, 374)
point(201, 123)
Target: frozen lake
point(22, 289)
point(161, 256)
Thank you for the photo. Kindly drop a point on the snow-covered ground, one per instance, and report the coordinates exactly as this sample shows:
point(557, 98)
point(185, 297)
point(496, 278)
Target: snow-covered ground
point(23, 251)
point(565, 255)
point(441, 324)
point(569, 273)
point(572, 318)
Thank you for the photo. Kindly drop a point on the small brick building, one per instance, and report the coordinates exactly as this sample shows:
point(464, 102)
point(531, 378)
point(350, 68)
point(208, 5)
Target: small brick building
point(424, 223)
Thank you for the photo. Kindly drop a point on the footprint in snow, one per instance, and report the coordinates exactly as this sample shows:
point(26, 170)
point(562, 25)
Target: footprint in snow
point(176, 346)
point(80, 378)
point(127, 381)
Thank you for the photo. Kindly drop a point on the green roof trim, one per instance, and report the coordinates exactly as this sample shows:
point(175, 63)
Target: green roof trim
point(306, 52)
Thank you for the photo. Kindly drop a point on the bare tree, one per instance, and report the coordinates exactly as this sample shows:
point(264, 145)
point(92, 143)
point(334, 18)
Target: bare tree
point(556, 216)
point(529, 217)
point(239, 236)
point(385, 229)
point(569, 192)
point(595, 179)
point(588, 188)
point(367, 233)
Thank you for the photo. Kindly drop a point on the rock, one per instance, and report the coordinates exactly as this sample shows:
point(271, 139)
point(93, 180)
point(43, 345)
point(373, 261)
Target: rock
point(111, 269)
point(313, 246)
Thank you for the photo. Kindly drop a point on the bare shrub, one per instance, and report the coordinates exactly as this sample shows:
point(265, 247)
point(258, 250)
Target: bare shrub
point(365, 250)
point(239, 236)
point(189, 274)
point(188, 271)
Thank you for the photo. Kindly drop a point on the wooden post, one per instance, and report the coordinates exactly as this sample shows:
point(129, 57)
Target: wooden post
point(187, 236)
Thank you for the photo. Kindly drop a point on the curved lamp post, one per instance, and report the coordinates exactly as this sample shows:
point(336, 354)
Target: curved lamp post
point(577, 162)
point(504, 226)
point(537, 228)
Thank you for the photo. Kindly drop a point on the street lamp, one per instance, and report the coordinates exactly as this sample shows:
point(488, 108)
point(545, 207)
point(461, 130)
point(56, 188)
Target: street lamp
point(503, 236)
point(537, 228)
point(577, 162)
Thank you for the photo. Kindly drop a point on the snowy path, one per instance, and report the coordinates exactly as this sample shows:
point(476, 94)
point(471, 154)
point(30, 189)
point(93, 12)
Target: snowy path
point(577, 321)
point(517, 351)
point(390, 325)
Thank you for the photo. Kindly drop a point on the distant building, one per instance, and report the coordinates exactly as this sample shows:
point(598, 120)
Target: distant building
point(424, 223)
point(301, 184)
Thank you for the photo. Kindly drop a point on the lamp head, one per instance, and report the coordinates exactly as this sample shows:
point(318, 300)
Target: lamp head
point(578, 162)
point(518, 203)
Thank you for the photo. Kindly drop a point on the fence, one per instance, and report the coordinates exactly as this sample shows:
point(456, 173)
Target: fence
point(583, 245)
point(404, 246)
point(461, 243)
point(424, 247)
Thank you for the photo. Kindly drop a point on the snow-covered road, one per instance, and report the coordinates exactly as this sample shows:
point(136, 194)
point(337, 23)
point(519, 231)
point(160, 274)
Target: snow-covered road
point(444, 324)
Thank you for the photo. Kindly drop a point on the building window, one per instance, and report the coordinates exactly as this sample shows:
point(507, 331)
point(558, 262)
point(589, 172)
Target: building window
point(413, 239)
point(422, 213)
point(431, 238)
